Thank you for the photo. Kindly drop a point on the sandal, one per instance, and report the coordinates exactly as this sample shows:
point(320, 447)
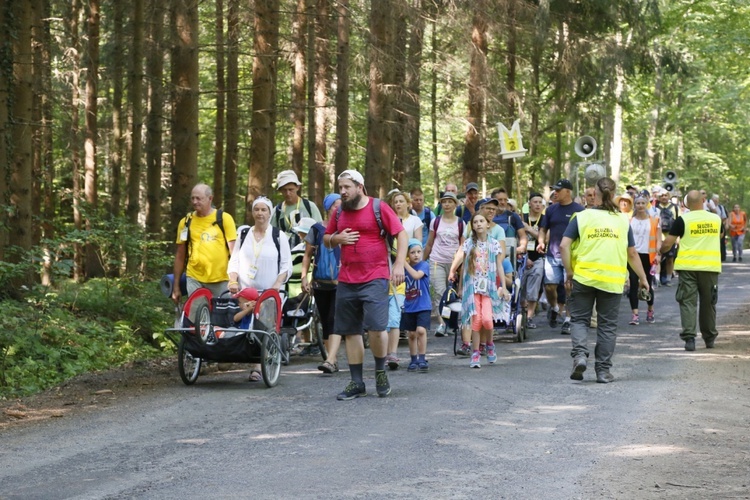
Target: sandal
point(255, 376)
point(327, 367)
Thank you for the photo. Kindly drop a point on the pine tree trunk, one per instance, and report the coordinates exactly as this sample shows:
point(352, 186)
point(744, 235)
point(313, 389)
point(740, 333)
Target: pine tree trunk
point(398, 91)
point(154, 124)
point(341, 159)
point(19, 220)
point(136, 142)
point(299, 86)
point(185, 89)
point(220, 107)
point(379, 115)
point(264, 78)
point(118, 135)
point(94, 266)
point(48, 169)
point(511, 99)
point(233, 103)
point(477, 89)
point(317, 178)
point(412, 101)
point(75, 152)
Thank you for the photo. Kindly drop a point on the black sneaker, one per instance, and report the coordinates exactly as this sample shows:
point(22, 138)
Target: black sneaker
point(353, 390)
point(710, 344)
point(579, 366)
point(382, 386)
point(552, 318)
point(690, 345)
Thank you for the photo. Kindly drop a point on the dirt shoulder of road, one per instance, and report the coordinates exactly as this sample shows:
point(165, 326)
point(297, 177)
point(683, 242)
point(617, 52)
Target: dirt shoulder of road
point(89, 392)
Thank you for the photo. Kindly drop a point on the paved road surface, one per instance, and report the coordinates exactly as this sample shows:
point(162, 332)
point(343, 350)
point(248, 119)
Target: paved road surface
point(672, 425)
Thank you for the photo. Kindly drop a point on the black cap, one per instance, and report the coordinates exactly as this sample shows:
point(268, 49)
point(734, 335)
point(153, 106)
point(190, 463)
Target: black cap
point(534, 195)
point(629, 187)
point(563, 184)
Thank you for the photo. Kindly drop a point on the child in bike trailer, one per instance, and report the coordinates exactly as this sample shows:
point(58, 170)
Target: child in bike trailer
point(417, 306)
point(484, 291)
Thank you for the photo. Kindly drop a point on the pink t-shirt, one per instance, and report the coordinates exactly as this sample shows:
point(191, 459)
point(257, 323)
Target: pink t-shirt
point(367, 259)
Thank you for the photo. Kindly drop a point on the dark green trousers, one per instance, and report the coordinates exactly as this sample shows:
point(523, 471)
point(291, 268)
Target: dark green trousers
point(695, 286)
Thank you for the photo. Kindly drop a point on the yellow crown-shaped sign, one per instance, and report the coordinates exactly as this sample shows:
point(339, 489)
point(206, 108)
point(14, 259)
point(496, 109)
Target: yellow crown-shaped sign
point(511, 142)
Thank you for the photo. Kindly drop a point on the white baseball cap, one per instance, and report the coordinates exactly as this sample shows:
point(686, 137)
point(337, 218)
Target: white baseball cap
point(354, 176)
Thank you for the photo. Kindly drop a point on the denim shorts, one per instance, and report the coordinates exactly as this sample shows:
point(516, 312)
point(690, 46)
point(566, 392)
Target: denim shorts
point(554, 271)
point(361, 306)
point(395, 308)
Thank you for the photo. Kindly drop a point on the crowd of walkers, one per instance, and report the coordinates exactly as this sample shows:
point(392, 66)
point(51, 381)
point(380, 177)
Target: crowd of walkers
point(380, 267)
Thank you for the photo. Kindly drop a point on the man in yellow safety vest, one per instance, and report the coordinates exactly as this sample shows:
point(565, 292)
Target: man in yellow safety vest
point(699, 265)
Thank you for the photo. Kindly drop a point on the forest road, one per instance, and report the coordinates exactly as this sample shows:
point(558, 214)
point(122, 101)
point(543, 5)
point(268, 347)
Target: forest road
point(672, 425)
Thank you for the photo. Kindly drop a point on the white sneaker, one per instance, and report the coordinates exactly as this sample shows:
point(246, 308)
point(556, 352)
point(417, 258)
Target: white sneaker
point(440, 332)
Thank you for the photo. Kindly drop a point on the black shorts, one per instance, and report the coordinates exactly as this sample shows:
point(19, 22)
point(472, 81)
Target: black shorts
point(361, 306)
point(410, 321)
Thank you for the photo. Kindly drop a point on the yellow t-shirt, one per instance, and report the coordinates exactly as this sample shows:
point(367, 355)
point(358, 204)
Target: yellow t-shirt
point(209, 257)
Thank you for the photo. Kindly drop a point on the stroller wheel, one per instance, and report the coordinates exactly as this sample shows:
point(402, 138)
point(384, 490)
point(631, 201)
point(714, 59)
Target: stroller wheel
point(188, 366)
point(270, 357)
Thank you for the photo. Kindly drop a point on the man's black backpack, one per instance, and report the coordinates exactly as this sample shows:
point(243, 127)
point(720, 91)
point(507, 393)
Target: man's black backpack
point(667, 217)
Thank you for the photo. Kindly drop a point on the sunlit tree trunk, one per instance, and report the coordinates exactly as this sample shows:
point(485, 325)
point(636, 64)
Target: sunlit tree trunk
point(154, 120)
point(264, 78)
point(74, 139)
point(185, 89)
point(615, 149)
point(341, 159)
point(48, 166)
point(233, 103)
point(511, 98)
point(477, 89)
point(653, 125)
point(433, 109)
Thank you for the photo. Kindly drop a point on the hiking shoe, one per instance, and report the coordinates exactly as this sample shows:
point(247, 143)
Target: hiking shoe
point(413, 366)
point(710, 344)
point(482, 349)
point(392, 362)
point(424, 367)
point(604, 377)
point(464, 350)
point(475, 358)
point(650, 317)
point(382, 386)
point(491, 354)
point(530, 324)
point(579, 366)
point(635, 320)
point(353, 390)
point(552, 314)
point(440, 332)
point(565, 328)
point(690, 345)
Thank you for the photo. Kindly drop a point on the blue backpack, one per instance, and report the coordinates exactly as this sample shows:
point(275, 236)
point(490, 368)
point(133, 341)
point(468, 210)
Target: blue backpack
point(327, 260)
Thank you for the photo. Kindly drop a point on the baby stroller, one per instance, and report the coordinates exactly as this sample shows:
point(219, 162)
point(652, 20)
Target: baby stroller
point(450, 310)
point(516, 323)
point(300, 313)
point(204, 333)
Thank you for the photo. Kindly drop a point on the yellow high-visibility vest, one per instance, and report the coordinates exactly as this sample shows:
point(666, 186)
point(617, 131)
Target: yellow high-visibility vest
point(700, 244)
point(600, 255)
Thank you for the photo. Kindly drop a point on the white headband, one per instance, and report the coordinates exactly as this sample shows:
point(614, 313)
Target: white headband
point(265, 201)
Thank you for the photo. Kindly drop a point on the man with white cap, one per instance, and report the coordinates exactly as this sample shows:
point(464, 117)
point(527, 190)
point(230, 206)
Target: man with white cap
point(360, 228)
point(288, 213)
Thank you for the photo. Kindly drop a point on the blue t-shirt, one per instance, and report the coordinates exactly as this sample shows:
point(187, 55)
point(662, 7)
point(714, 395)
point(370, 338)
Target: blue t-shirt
point(417, 292)
point(510, 222)
point(555, 220)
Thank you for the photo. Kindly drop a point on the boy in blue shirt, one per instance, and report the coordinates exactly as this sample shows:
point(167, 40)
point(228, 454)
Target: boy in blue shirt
point(417, 306)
